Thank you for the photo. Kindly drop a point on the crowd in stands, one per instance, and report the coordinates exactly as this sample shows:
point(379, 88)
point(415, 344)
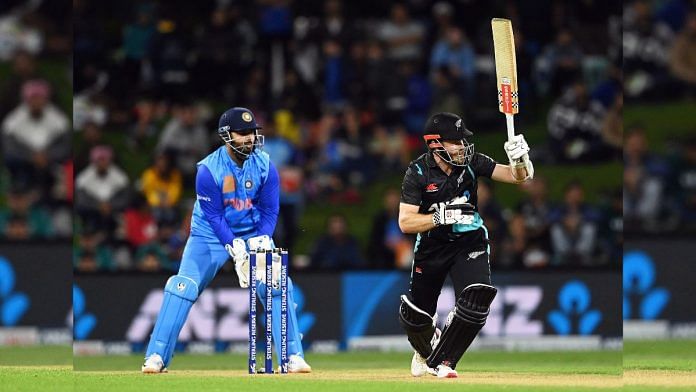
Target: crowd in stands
point(342, 90)
point(35, 136)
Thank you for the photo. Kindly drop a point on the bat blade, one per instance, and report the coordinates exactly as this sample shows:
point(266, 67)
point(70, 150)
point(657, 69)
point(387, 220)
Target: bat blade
point(505, 66)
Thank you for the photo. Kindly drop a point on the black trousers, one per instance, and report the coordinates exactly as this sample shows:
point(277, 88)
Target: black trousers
point(465, 265)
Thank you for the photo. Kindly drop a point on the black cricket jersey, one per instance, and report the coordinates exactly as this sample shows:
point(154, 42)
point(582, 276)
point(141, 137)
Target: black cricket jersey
point(426, 184)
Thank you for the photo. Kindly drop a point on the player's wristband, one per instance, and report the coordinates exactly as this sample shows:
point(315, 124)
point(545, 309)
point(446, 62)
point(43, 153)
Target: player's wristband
point(436, 219)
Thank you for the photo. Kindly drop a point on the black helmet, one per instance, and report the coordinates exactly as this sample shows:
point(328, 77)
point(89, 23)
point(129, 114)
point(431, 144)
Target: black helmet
point(448, 127)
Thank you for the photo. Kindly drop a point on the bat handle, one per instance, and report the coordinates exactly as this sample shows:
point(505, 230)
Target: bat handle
point(510, 126)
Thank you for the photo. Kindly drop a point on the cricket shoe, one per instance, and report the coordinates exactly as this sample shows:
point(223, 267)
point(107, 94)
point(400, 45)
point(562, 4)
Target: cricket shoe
point(444, 371)
point(419, 367)
point(297, 364)
point(154, 364)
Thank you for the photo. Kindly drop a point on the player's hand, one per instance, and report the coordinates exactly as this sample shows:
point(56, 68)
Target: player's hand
point(516, 148)
point(455, 211)
point(262, 242)
point(241, 260)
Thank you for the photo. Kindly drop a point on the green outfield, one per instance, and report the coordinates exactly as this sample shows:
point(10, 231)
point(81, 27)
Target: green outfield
point(647, 366)
point(479, 371)
point(670, 363)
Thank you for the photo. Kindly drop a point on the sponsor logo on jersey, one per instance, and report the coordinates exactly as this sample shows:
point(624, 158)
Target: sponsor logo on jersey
point(204, 198)
point(432, 188)
point(239, 204)
point(228, 184)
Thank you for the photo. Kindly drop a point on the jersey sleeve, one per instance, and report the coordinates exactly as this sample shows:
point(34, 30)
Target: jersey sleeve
point(483, 165)
point(412, 186)
point(269, 202)
point(210, 199)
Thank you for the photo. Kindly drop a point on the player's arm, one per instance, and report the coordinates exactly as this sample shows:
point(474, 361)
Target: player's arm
point(503, 173)
point(411, 221)
point(211, 202)
point(268, 203)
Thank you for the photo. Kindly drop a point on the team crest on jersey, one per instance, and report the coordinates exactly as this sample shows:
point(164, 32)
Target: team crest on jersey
point(228, 184)
point(432, 188)
point(248, 184)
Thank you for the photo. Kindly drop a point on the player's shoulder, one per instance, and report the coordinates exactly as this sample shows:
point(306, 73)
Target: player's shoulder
point(481, 155)
point(417, 167)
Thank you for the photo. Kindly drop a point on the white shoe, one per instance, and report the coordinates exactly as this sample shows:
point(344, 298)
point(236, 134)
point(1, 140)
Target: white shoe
point(419, 367)
point(297, 364)
point(444, 371)
point(154, 364)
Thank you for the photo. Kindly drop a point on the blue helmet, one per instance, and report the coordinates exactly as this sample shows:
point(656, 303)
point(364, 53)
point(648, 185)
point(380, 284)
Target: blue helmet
point(239, 120)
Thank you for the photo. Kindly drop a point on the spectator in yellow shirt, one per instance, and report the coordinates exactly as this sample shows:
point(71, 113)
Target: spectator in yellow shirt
point(161, 185)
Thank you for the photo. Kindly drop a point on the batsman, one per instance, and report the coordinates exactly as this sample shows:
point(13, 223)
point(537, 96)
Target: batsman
point(439, 203)
point(236, 210)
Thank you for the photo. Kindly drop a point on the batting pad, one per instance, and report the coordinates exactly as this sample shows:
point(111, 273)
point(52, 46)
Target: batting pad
point(470, 315)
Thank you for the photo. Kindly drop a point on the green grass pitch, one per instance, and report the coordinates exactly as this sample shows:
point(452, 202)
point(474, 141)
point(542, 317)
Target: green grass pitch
point(643, 366)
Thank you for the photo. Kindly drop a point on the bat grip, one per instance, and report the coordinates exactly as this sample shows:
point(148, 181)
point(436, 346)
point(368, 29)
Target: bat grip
point(510, 126)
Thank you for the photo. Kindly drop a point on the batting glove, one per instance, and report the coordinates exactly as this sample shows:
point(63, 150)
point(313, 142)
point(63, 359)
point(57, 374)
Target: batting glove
point(455, 211)
point(516, 148)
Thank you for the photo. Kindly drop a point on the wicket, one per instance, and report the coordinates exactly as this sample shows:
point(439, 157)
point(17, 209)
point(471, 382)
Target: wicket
point(283, 287)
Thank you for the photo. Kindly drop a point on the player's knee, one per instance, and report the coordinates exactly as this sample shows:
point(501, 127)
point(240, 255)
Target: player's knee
point(474, 302)
point(182, 287)
point(412, 316)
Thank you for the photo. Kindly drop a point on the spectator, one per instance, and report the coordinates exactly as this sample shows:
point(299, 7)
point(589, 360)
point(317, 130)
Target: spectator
point(685, 175)
point(516, 251)
point(92, 136)
point(646, 45)
point(682, 59)
point(575, 127)
point(574, 241)
point(145, 127)
point(91, 253)
point(562, 61)
point(286, 158)
point(536, 211)
point(24, 218)
point(102, 190)
point(574, 203)
point(402, 36)
point(137, 37)
point(23, 70)
point(337, 249)
point(168, 56)
point(455, 53)
point(186, 138)
point(139, 225)
point(35, 136)
point(162, 186)
point(389, 247)
point(492, 214)
point(636, 154)
point(216, 62)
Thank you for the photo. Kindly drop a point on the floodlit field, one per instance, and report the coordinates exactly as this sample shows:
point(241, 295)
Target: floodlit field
point(649, 366)
point(669, 363)
point(479, 371)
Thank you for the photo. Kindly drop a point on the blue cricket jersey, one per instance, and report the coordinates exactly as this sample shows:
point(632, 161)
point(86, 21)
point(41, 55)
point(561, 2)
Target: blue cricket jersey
point(233, 201)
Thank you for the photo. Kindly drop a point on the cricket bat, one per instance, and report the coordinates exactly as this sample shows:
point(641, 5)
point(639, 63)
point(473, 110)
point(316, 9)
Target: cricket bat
point(506, 71)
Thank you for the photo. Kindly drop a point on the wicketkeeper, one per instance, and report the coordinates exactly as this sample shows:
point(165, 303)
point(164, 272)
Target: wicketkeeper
point(236, 210)
point(439, 202)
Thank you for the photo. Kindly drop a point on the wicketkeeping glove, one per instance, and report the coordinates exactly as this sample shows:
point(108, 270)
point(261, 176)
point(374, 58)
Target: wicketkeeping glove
point(241, 260)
